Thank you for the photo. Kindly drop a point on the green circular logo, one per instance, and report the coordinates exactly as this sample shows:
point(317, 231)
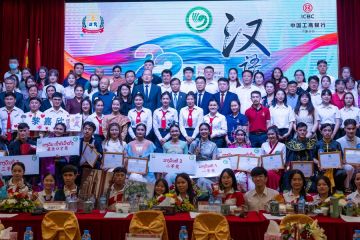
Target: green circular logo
point(198, 19)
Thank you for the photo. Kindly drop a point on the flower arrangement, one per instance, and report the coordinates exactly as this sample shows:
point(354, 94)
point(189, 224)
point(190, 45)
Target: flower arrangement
point(133, 188)
point(17, 202)
point(156, 201)
point(299, 231)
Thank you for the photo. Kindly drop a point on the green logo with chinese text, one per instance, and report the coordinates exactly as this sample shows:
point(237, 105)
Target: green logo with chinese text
point(198, 19)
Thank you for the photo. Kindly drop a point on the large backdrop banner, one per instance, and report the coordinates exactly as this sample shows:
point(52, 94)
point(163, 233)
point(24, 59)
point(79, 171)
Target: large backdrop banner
point(254, 35)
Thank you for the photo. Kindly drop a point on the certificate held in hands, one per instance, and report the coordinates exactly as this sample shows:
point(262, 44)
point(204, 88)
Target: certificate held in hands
point(112, 160)
point(89, 155)
point(330, 160)
point(247, 163)
point(137, 165)
point(272, 161)
point(352, 155)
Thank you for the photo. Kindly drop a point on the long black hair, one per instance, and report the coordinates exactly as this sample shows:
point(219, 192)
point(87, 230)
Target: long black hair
point(190, 191)
point(163, 181)
point(291, 175)
point(275, 100)
point(232, 175)
point(309, 105)
point(327, 181)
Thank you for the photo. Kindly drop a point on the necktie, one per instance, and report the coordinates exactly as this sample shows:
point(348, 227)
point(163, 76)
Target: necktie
point(199, 100)
point(210, 123)
point(222, 100)
point(147, 91)
point(163, 120)
point(189, 120)
point(100, 126)
point(138, 119)
point(8, 126)
point(175, 100)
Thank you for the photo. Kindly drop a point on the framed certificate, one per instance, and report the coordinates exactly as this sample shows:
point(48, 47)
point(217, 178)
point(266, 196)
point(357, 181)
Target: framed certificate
point(137, 165)
point(113, 160)
point(272, 161)
point(352, 155)
point(247, 163)
point(307, 167)
point(234, 160)
point(330, 160)
point(89, 155)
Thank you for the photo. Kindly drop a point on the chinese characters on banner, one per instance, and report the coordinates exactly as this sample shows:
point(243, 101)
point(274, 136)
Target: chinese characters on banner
point(60, 146)
point(46, 122)
point(211, 168)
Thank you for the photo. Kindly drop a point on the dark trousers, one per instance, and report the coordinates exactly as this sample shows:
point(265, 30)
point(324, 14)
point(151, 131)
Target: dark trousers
point(257, 139)
point(157, 143)
point(219, 141)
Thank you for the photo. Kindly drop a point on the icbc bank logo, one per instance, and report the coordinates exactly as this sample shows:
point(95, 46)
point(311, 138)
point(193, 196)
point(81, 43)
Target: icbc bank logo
point(308, 7)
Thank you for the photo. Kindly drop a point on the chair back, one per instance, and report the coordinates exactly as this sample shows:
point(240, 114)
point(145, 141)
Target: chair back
point(60, 225)
point(210, 226)
point(150, 222)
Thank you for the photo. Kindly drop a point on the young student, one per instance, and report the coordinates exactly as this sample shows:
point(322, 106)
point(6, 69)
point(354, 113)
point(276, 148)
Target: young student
point(73, 105)
point(323, 187)
point(211, 84)
point(161, 188)
point(69, 91)
point(314, 90)
point(259, 80)
point(69, 173)
point(184, 189)
point(297, 182)
point(53, 81)
point(322, 67)
point(300, 79)
point(57, 105)
point(48, 193)
point(113, 141)
point(116, 80)
point(93, 86)
point(17, 182)
point(13, 68)
point(228, 184)
point(139, 114)
point(188, 85)
point(337, 98)
point(355, 196)
point(98, 118)
point(22, 145)
point(235, 120)
point(166, 75)
point(115, 193)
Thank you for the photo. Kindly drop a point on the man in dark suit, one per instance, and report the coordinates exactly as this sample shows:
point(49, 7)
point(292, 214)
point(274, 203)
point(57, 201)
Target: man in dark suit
point(178, 99)
point(150, 91)
point(224, 97)
point(10, 87)
point(202, 98)
point(149, 65)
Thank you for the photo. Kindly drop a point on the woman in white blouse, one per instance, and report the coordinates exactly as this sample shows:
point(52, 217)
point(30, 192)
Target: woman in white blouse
point(190, 118)
point(305, 112)
point(97, 118)
point(48, 193)
point(113, 141)
point(282, 115)
point(218, 124)
point(328, 113)
point(234, 81)
point(163, 118)
point(139, 114)
point(349, 111)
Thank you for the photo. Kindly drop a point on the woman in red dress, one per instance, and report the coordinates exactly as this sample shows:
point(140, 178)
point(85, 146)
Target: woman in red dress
point(228, 184)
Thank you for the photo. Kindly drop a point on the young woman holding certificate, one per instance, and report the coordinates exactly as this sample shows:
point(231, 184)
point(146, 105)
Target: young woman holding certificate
point(273, 146)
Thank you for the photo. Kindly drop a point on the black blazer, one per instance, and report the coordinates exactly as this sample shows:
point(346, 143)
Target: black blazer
point(205, 99)
point(181, 102)
point(19, 100)
point(153, 101)
point(75, 160)
point(45, 105)
point(225, 110)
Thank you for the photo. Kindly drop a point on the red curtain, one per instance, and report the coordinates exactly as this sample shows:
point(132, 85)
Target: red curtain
point(349, 35)
point(23, 19)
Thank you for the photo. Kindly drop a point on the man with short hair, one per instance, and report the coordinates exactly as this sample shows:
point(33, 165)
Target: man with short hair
point(78, 70)
point(314, 91)
point(211, 84)
point(10, 86)
point(257, 199)
point(9, 115)
point(202, 97)
point(56, 108)
point(224, 97)
point(245, 90)
point(13, 68)
point(178, 99)
point(129, 80)
point(322, 67)
point(166, 75)
point(149, 90)
point(188, 85)
point(291, 96)
point(259, 120)
point(105, 95)
point(70, 189)
point(149, 65)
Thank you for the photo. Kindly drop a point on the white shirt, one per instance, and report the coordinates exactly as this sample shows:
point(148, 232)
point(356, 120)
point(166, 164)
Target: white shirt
point(316, 98)
point(171, 116)
point(145, 117)
point(197, 119)
point(69, 92)
point(281, 116)
point(304, 86)
point(92, 118)
point(61, 111)
point(218, 125)
point(149, 88)
point(90, 95)
point(257, 202)
point(113, 146)
point(349, 113)
point(328, 114)
point(212, 87)
point(244, 94)
point(187, 86)
point(332, 83)
point(42, 195)
point(355, 197)
point(15, 116)
point(59, 88)
point(232, 86)
point(164, 88)
point(280, 148)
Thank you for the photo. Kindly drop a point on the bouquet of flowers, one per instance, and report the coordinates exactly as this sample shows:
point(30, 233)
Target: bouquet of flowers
point(17, 202)
point(135, 189)
point(156, 201)
point(299, 231)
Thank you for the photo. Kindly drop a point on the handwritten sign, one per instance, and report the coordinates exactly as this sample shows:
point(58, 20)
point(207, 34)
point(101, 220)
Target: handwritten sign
point(58, 146)
point(211, 168)
point(46, 122)
point(172, 163)
point(30, 161)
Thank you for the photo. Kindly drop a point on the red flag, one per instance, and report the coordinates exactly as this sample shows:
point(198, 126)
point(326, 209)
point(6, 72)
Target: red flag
point(37, 56)
point(26, 55)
